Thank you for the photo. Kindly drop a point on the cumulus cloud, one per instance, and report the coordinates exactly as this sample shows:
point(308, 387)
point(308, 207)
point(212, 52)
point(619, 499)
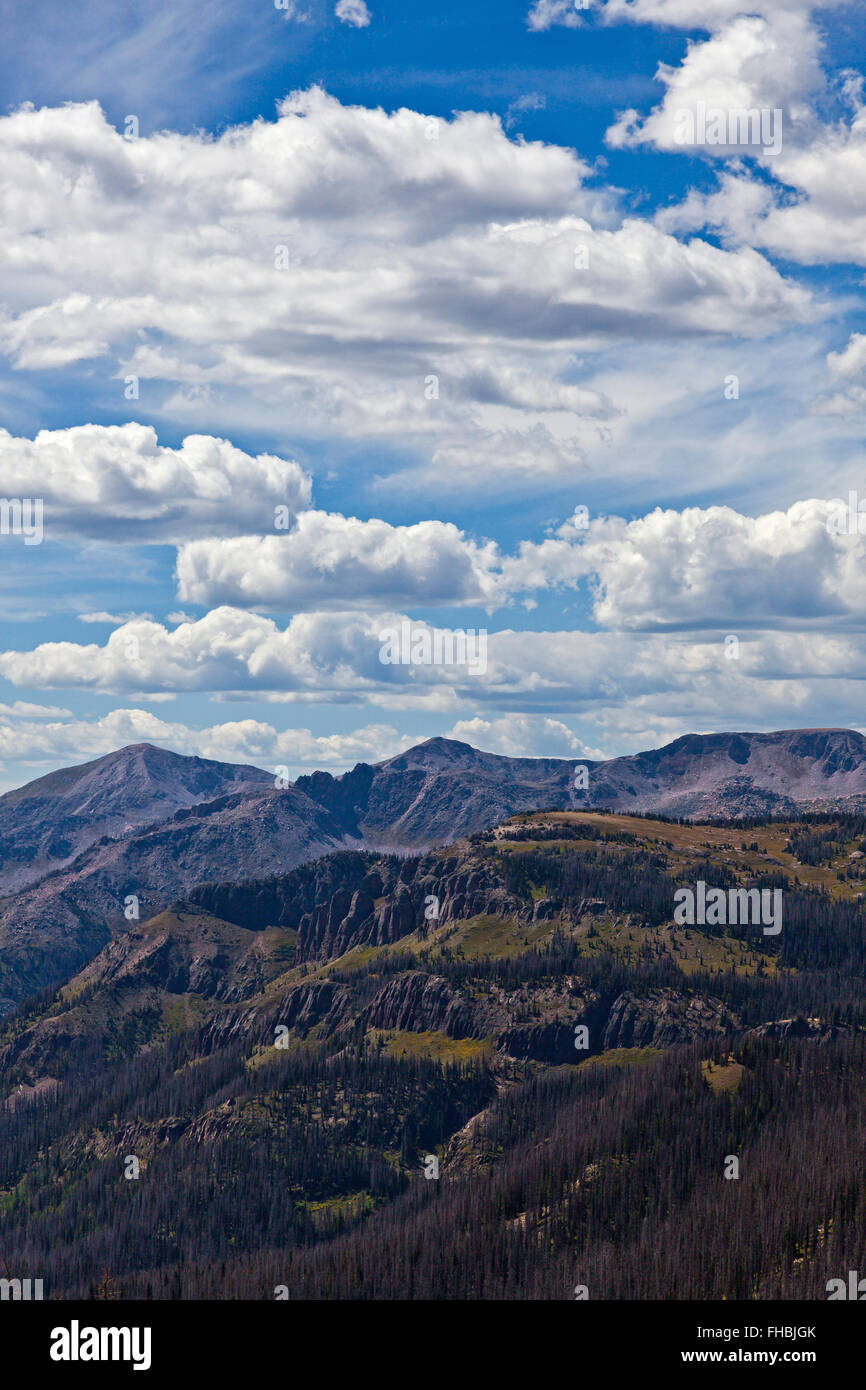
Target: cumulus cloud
point(317, 656)
point(816, 215)
point(850, 363)
point(806, 205)
point(566, 693)
point(338, 658)
point(707, 568)
point(116, 482)
point(752, 64)
point(348, 269)
point(333, 561)
point(698, 568)
point(810, 209)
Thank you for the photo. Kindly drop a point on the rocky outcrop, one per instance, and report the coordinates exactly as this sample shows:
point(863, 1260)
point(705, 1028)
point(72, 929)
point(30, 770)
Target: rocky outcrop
point(417, 1002)
point(664, 1018)
point(541, 1042)
point(809, 1029)
point(305, 1006)
point(320, 1004)
point(355, 899)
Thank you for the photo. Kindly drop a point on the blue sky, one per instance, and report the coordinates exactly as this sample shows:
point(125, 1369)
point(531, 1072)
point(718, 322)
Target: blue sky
point(648, 356)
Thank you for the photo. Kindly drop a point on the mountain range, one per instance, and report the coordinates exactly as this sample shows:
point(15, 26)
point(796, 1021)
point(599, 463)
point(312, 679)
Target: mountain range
point(247, 1092)
point(88, 849)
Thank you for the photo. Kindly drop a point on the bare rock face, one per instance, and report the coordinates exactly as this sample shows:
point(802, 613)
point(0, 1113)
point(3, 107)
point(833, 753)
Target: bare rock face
point(417, 1002)
point(807, 1029)
point(541, 1042)
point(664, 1018)
point(354, 899)
point(307, 1005)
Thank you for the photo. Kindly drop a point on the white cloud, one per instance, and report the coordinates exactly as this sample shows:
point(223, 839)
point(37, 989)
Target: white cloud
point(674, 14)
point(697, 568)
point(112, 619)
point(336, 657)
point(530, 101)
point(332, 561)
point(523, 736)
point(815, 217)
point(811, 211)
point(847, 372)
point(353, 12)
point(117, 482)
point(762, 58)
point(850, 363)
point(707, 568)
point(329, 657)
point(415, 249)
point(752, 64)
point(565, 693)
point(705, 14)
point(547, 13)
point(23, 709)
point(290, 9)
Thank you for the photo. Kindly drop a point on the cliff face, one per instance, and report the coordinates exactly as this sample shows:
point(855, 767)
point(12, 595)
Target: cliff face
point(418, 1003)
point(666, 1017)
point(355, 899)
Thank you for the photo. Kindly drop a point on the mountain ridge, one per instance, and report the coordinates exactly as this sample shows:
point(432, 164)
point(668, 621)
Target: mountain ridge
point(175, 822)
point(65, 811)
